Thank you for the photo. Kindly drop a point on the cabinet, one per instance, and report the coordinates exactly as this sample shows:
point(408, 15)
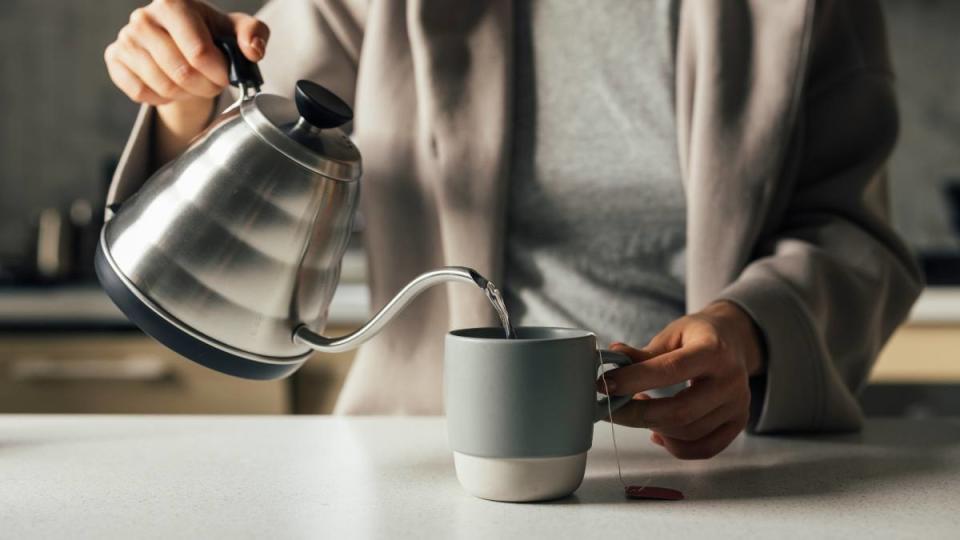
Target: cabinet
point(920, 354)
point(121, 373)
point(316, 385)
point(127, 372)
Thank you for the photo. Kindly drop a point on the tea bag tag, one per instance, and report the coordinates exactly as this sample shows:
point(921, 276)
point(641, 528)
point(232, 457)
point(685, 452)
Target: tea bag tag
point(652, 493)
point(632, 491)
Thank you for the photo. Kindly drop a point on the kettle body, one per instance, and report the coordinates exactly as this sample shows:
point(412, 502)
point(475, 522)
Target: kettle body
point(230, 254)
point(229, 202)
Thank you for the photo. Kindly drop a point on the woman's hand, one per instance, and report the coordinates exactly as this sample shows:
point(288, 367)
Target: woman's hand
point(717, 350)
point(165, 56)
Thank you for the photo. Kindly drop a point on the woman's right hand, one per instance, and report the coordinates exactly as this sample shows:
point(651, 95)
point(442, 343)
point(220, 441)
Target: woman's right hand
point(165, 56)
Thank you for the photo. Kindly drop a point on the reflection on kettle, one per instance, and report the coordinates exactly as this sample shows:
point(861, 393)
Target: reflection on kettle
point(230, 254)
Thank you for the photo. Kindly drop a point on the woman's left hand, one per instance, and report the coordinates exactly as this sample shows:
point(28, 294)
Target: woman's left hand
point(716, 350)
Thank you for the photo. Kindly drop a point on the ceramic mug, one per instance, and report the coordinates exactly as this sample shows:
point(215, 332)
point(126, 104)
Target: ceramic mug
point(520, 412)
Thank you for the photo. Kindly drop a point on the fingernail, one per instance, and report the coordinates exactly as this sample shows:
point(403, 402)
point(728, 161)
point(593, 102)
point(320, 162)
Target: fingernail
point(258, 45)
point(657, 439)
point(616, 345)
point(611, 386)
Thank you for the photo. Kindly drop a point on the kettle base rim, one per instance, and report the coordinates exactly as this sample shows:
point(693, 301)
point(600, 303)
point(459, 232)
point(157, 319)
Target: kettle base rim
point(164, 328)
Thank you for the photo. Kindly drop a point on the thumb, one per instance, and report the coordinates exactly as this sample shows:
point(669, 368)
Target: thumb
point(637, 355)
point(252, 35)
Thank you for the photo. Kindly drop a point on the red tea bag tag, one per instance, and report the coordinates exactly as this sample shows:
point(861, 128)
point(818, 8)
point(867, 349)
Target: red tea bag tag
point(653, 492)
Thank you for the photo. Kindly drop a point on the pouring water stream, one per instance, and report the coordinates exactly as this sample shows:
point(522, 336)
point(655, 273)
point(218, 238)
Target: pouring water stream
point(496, 299)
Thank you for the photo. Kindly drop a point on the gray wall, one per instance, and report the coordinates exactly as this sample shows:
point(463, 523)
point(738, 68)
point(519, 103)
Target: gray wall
point(62, 120)
point(925, 36)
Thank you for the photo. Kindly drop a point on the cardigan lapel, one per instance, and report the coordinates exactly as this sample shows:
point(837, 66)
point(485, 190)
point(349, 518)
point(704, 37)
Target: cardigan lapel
point(736, 100)
point(731, 100)
point(463, 70)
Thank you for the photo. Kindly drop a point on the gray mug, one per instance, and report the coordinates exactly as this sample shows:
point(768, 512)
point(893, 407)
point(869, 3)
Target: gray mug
point(520, 412)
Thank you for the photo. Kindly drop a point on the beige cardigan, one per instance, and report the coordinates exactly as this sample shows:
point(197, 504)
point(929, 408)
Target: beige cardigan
point(786, 117)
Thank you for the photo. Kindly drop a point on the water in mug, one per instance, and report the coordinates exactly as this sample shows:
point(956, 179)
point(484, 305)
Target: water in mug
point(493, 294)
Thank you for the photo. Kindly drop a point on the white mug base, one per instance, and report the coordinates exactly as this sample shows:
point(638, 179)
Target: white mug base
point(520, 479)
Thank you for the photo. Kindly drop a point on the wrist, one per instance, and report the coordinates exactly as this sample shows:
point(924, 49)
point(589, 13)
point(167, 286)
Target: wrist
point(745, 331)
point(178, 123)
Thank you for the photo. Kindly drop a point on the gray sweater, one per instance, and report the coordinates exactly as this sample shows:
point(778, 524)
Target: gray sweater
point(785, 116)
point(596, 215)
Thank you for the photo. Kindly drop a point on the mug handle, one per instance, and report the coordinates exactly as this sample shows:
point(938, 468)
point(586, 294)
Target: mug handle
point(620, 359)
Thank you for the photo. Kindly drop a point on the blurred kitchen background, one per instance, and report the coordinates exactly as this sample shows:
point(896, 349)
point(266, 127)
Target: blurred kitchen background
point(64, 348)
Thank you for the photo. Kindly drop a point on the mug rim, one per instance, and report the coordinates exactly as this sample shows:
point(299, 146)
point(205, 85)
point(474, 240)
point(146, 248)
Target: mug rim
point(567, 334)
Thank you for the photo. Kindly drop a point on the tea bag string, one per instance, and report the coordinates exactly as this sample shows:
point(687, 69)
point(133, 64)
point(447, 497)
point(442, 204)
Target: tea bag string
point(613, 432)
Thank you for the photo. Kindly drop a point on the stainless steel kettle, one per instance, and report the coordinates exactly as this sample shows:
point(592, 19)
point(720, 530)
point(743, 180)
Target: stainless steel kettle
point(231, 253)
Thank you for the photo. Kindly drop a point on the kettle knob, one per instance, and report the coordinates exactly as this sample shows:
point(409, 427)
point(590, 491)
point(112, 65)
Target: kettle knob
point(321, 107)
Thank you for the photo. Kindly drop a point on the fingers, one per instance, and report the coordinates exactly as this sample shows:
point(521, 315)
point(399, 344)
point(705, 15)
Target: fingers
point(673, 367)
point(165, 52)
point(703, 426)
point(146, 69)
point(252, 35)
point(705, 447)
point(703, 419)
point(684, 408)
point(637, 355)
point(631, 414)
point(668, 339)
point(128, 82)
point(184, 23)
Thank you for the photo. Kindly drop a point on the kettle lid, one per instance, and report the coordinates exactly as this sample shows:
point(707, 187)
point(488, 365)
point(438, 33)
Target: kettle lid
point(305, 129)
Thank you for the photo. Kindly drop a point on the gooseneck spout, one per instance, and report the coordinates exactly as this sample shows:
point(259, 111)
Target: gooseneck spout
point(374, 325)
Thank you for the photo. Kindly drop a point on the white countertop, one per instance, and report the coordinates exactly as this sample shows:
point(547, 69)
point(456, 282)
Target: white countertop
point(299, 477)
point(937, 305)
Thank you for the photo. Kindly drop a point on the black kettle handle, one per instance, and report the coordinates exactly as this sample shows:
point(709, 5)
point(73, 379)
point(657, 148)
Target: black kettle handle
point(243, 72)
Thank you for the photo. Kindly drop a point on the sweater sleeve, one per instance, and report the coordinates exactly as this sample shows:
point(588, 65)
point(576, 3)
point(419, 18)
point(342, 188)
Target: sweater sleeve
point(319, 40)
point(832, 281)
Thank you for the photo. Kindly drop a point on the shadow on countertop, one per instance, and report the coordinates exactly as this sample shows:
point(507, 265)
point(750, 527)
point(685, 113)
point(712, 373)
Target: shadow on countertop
point(887, 453)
